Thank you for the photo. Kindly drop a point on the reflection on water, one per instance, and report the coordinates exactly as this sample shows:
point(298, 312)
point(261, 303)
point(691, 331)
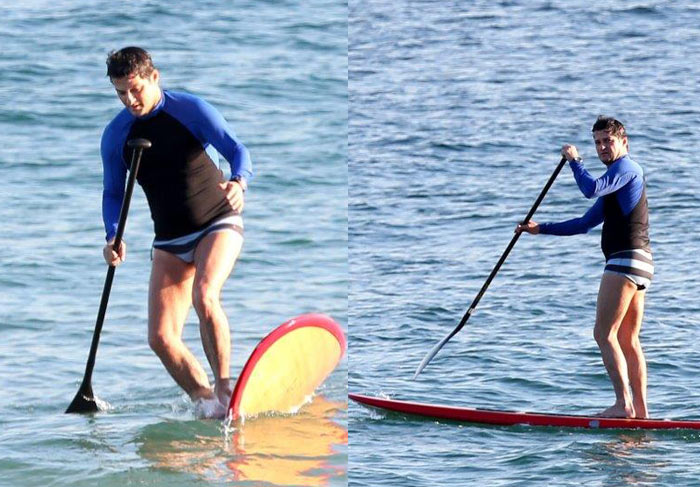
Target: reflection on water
point(274, 450)
point(620, 457)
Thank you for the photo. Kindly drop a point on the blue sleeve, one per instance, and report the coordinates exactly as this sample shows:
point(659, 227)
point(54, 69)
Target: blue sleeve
point(210, 127)
point(113, 180)
point(592, 218)
point(613, 179)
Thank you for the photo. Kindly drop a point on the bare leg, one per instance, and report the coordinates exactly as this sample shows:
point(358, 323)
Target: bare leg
point(632, 349)
point(169, 300)
point(214, 259)
point(614, 297)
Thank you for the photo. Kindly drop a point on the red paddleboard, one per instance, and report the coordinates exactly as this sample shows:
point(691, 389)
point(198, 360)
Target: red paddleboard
point(509, 418)
point(287, 366)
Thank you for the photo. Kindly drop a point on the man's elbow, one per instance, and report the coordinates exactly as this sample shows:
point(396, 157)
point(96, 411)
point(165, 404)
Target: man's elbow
point(588, 192)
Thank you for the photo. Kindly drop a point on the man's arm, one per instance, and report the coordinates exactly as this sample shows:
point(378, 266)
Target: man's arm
point(611, 181)
point(215, 129)
point(113, 181)
point(592, 218)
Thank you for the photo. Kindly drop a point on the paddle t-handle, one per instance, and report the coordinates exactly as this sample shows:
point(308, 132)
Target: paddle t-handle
point(84, 400)
point(495, 270)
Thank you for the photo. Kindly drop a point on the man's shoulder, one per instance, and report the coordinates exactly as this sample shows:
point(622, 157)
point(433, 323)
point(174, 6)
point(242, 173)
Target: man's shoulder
point(629, 170)
point(190, 109)
point(118, 125)
point(183, 100)
point(629, 164)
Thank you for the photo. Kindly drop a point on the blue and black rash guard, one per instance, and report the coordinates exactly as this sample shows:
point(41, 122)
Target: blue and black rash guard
point(621, 207)
point(178, 176)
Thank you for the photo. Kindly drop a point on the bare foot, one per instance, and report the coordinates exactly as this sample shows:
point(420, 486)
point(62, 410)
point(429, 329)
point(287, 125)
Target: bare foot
point(617, 411)
point(223, 391)
point(209, 409)
point(640, 408)
point(203, 393)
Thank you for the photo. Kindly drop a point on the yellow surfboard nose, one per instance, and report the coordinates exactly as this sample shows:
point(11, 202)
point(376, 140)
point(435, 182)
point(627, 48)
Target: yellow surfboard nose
point(287, 366)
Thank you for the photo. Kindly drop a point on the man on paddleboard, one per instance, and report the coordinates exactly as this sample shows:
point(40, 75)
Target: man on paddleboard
point(196, 215)
point(621, 207)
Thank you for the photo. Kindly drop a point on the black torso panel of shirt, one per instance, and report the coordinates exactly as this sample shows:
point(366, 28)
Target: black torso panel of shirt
point(625, 232)
point(179, 178)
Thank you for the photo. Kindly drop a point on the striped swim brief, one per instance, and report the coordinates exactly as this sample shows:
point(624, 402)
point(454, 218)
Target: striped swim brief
point(636, 265)
point(184, 247)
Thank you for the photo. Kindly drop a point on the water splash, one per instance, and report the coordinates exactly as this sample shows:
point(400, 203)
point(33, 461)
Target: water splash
point(209, 408)
point(103, 406)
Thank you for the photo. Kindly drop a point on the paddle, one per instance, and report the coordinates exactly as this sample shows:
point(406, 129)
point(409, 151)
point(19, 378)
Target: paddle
point(84, 401)
point(515, 238)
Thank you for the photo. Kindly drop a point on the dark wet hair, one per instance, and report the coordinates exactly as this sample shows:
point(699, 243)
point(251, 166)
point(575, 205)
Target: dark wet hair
point(609, 125)
point(129, 61)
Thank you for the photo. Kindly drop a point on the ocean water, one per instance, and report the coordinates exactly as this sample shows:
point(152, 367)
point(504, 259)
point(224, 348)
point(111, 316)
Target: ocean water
point(457, 113)
point(278, 73)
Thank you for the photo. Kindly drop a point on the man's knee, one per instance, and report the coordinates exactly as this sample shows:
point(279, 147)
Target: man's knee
point(604, 335)
point(601, 338)
point(161, 343)
point(630, 343)
point(205, 298)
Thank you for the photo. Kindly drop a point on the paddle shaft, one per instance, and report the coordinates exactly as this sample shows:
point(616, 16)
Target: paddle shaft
point(515, 238)
point(495, 270)
point(139, 145)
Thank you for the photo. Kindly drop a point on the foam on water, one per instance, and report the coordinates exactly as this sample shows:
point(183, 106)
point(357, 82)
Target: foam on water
point(209, 408)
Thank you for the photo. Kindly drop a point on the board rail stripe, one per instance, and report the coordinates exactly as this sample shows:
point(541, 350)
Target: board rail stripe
point(512, 418)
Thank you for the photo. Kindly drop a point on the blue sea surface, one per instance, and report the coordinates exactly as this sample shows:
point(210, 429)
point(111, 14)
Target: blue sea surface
point(457, 113)
point(278, 72)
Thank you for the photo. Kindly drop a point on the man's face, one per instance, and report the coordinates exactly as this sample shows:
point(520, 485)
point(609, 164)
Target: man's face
point(609, 147)
point(139, 95)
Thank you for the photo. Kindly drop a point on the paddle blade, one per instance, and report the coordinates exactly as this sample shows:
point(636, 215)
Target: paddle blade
point(287, 366)
point(429, 356)
point(84, 401)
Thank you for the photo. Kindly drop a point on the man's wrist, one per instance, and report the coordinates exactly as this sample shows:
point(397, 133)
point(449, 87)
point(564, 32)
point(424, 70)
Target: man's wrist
point(241, 182)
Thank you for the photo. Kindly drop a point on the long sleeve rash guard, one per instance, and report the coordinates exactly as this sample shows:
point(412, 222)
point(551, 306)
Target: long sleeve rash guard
point(178, 176)
point(621, 206)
